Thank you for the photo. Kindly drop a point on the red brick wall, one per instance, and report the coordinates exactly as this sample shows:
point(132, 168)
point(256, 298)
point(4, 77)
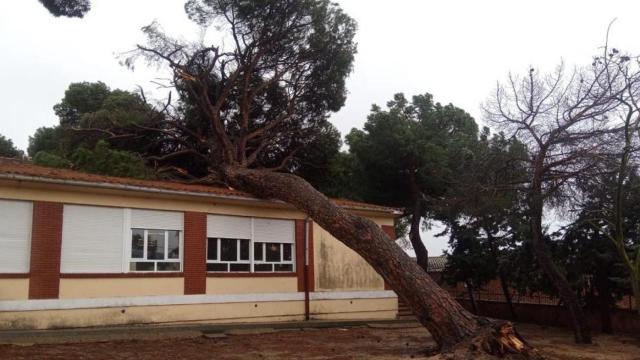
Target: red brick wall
point(46, 242)
point(195, 247)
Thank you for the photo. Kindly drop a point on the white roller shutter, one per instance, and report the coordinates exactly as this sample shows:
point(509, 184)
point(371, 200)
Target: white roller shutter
point(15, 236)
point(92, 239)
point(234, 227)
point(155, 219)
point(273, 230)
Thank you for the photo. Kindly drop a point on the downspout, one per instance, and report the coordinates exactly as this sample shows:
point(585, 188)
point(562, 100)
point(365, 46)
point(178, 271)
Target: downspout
point(307, 228)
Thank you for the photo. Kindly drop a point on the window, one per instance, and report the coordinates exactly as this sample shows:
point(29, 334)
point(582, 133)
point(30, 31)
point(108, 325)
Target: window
point(228, 255)
point(270, 257)
point(155, 250)
point(251, 245)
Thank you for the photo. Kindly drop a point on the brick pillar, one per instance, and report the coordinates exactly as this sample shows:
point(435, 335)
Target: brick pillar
point(195, 247)
point(46, 242)
point(300, 255)
point(391, 232)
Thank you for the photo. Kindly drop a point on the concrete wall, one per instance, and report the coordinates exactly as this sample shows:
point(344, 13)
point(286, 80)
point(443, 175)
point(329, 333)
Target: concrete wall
point(354, 309)
point(270, 307)
point(210, 313)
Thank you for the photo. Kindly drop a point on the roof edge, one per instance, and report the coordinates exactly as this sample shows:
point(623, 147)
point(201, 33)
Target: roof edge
point(147, 189)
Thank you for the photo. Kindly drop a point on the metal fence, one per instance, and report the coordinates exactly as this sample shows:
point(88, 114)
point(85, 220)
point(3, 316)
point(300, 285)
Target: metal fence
point(515, 298)
point(625, 303)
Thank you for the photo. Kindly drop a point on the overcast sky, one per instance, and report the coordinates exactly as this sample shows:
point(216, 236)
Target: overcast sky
point(455, 50)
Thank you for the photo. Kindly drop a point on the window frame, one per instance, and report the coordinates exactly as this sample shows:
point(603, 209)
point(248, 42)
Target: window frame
point(282, 261)
point(252, 261)
point(145, 255)
point(228, 262)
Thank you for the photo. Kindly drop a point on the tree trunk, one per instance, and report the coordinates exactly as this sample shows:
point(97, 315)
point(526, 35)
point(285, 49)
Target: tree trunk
point(604, 302)
point(422, 255)
point(472, 298)
point(507, 295)
point(635, 286)
point(447, 321)
point(581, 330)
point(504, 284)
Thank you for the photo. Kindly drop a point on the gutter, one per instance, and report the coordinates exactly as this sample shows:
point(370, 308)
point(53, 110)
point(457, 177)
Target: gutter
point(137, 188)
point(307, 228)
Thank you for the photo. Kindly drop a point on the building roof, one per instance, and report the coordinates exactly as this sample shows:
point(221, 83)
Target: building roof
point(12, 169)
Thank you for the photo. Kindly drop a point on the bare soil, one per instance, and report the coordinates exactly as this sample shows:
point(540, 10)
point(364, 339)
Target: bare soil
point(351, 343)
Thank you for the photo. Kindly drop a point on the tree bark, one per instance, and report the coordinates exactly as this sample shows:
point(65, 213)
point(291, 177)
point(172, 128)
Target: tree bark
point(447, 321)
point(422, 255)
point(581, 330)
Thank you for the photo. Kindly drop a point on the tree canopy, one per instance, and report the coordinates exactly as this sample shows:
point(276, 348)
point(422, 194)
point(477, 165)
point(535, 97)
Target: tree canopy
point(86, 113)
point(8, 149)
point(410, 155)
point(67, 8)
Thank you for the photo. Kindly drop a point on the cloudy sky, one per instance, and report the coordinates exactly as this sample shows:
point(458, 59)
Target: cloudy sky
point(455, 50)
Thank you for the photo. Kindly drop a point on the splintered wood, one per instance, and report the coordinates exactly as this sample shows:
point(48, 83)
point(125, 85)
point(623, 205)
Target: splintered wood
point(504, 340)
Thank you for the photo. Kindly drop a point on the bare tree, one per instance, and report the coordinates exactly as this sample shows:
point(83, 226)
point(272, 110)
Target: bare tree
point(563, 119)
point(620, 158)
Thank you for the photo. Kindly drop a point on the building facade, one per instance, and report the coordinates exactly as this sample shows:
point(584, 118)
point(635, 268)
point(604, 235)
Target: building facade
point(80, 250)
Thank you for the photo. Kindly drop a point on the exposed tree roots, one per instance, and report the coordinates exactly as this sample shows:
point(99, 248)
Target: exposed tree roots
point(498, 340)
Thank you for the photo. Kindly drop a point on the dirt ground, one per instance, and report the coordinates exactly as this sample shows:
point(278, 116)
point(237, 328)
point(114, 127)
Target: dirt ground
point(348, 343)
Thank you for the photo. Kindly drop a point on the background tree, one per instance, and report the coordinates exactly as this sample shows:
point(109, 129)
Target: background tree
point(470, 261)
point(621, 160)
point(91, 109)
point(67, 8)
point(593, 265)
point(563, 120)
point(409, 157)
point(484, 212)
point(8, 149)
point(608, 223)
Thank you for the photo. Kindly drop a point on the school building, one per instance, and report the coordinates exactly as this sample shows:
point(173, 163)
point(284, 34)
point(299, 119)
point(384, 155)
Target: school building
point(79, 250)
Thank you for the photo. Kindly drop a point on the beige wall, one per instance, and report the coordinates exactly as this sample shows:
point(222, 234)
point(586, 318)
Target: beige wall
point(14, 289)
point(251, 285)
point(119, 287)
point(19, 190)
point(101, 197)
point(338, 268)
point(270, 311)
point(346, 309)
point(233, 312)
